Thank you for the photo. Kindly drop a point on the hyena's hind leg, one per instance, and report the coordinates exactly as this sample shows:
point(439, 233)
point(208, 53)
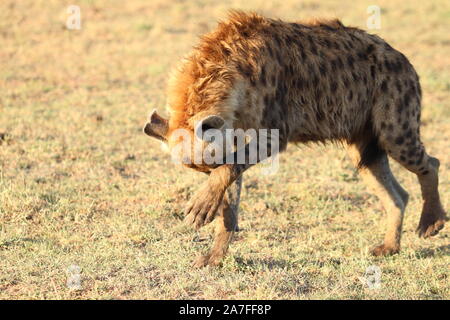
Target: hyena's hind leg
point(378, 176)
point(407, 149)
point(226, 225)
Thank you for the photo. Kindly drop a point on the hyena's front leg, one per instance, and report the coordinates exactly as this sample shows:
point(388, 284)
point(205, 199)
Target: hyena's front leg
point(226, 224)
point(234, 194)
point(203, 206)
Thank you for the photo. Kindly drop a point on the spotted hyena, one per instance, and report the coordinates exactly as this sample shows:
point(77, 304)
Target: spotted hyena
point(315, 82)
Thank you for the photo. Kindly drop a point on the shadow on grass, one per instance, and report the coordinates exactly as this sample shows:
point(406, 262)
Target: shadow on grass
point(428, 253)
point(272, 264)
point(269, 263)
point(21, 241)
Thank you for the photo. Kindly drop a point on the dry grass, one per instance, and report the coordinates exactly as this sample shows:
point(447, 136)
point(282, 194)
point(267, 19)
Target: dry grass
point(81, 185)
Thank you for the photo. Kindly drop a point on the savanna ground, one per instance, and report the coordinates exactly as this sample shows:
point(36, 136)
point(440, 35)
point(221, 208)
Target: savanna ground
point(81, 185)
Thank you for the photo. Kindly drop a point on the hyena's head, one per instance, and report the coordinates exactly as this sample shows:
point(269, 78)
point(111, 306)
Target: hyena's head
point(201, 100)
point(197, 143)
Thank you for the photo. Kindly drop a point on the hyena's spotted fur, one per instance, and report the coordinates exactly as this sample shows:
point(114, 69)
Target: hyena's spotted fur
point(315, 82)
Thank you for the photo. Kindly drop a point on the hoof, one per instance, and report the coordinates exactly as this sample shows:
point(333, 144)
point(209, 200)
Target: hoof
point(383, 251)
point(429, 229)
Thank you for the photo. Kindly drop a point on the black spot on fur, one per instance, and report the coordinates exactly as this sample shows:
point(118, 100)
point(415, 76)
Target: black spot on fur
point(405, 125)
point(298, 43)
point(299, 83)
point(397, 66)
point(384, 86)
point(266, 100)
point(278, 40)
point(297, 27)
point(245, 70)
point(388, 65)
point(315, 81)
point(269, 48)
point(362, 55)
point(323, 69)
point(350, 61)
point(262, 76)
point(400, 106)
point(327, 27)
point(334, 65)
point(399, 140)
point(280, 94)
point(388, 46)
point(407, 98)
point(411, 153)
point(320, 116)
point(409, 134)
point(346, 82)
point(312, 45)
point(372, 71)
point(304, 56)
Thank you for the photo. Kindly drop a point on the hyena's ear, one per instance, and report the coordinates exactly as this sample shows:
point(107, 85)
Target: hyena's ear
point(157, 127)
point(207, 123)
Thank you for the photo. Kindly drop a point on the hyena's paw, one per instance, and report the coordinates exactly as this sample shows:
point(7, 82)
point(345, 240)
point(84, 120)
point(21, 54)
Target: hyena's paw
point(207, 260)
point(429, 228)
point(203, 206)
point(432, 220)
point(383, 250)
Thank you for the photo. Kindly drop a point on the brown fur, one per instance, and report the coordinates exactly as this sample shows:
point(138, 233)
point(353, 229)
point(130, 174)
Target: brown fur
point(315, 82)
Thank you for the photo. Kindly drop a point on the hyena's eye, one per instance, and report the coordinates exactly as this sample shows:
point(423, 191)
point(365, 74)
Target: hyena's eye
point(206, 126)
